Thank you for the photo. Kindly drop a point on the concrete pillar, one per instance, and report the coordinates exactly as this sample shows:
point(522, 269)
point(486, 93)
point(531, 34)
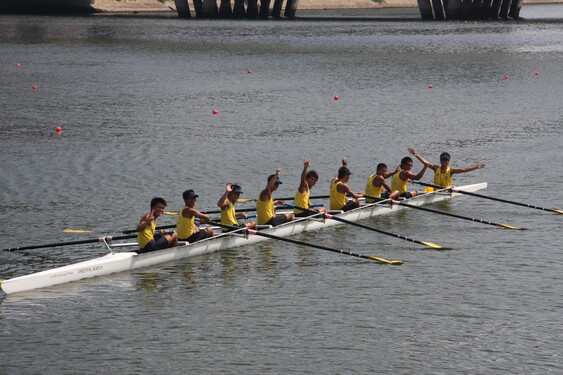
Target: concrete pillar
point(198, 4)
point(454, 10)
point(252, 9)
point(494, 10)
point(182, 8)
point(504, 7)
point(238, 10)
point(209, 9)
point(276, 12)
point(264, 8)
point(425, 9)
point(465, 9)
point(290, 8)
point(225, 10)
point(515, 9)
point(438, 9)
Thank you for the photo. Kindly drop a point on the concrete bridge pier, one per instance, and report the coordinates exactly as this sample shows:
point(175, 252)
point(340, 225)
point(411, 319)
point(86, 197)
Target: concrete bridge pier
point(182, 8)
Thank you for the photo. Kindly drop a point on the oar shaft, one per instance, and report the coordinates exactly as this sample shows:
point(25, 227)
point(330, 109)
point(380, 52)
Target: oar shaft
point(488, 197)
point(79, 242)
point(366, 227)
point(297, 242)
point(453, 215)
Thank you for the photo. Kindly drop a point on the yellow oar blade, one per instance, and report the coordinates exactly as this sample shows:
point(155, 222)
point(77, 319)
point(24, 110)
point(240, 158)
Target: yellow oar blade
point(77, 231)
point(557, 211)
point(381, 260)
point(246, 200)
point(432, 245)
point(171, 213)
point(510, 227)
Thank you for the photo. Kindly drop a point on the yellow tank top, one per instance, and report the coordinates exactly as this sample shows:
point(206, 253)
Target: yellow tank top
point(337, 199)
point(372, 190)
point(398, 184)
point(146, 235)
point(301, 200)
point(265, 211)
point(228, 216)
point(185, 227)
point(443, 179)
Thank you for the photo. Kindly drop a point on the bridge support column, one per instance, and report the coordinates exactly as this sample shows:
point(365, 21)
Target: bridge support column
point(515, 9)
point(290, 8)
point(182, 8)
point(276, 12)
point(225, 10)
point(425, 9)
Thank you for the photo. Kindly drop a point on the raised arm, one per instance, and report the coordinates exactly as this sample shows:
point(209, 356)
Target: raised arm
point(421, 159)
point(303, 184)
point(267, 192)
point(224, 198)
point(469, 169)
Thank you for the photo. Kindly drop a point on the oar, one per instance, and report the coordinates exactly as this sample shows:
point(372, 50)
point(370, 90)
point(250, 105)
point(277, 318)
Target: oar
point(328, 216)
point(107, 238)
point(250, 231)
point(446, 213)
point(492, 198)
point(285, 199)
point(241, 209)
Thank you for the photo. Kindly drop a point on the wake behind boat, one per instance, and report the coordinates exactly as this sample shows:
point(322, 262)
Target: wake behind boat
point(122, 261)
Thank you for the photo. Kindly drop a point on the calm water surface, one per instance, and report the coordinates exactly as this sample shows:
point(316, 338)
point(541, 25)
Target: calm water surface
point(135, 99)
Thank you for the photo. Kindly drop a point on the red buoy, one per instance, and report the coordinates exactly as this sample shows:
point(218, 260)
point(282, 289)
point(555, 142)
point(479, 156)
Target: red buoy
point(18, 64)
point(430, 86)
point(537, 73)
point(505, 77)
point(58, 129)
point(249, 72)
point(34, 87)
point(336, 97)
point(215, 112)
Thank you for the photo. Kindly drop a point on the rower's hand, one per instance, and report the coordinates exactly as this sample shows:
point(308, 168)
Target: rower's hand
point(411, 150)
point(480, 165)
point(278, 171)
point(307, 163)
point(229, 187)
point(344, 162)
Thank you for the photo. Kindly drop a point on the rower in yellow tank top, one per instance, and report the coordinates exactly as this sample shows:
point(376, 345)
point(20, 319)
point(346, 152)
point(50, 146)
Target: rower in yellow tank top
point(185, 225)
point(374, 191)
point(376, 183)
point(146, 230)
point(301, 199)
point(401, 178)
point(146, 234)
point(399, 184)
point(227, 204)
point(339, 190)
point(444, 178)
point(265, 204)
point(337, 199)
